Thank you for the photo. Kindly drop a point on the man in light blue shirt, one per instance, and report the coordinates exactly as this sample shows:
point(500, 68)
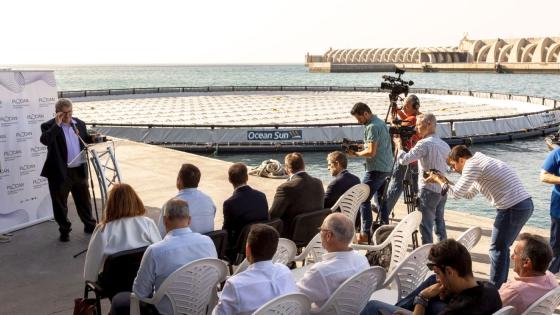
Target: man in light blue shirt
point(202, 208)
point(179, 247)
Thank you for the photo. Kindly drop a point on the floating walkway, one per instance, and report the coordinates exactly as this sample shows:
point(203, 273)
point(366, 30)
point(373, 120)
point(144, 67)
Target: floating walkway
point(303, 118)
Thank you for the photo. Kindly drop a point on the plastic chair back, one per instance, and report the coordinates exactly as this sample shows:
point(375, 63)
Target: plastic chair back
point(353, 294)
point(219, 237)
point(119, 271)
point(313, 250)
point(401, 237)
point(508, 310)
point(349, 203)
point(305, 225)
point(411, 272)
point(288, 304)
point(545, 305)
point(470, 237)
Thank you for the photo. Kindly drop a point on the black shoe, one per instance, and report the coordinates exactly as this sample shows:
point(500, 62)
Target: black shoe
point(88, 229)
point(64, 237)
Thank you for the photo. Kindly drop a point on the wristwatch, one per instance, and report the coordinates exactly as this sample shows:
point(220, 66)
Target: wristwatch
point(419, 299)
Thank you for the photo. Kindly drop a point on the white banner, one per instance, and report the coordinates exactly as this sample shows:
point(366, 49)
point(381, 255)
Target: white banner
point(27, 99)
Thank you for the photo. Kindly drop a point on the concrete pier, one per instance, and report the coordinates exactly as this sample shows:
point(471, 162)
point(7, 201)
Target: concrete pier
point(39, 275)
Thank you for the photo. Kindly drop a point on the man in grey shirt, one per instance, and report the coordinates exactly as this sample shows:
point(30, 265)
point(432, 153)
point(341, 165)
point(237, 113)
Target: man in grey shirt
point(431, 153)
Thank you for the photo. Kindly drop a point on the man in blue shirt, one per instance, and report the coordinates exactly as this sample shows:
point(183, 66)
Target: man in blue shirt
point(179, 247)
point(379, 159)
point(550, 174)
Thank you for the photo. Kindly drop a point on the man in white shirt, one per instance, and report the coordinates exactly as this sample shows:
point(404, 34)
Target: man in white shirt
point(262, 281)
point(202, 208)
point(339, 264)
point(179, 247)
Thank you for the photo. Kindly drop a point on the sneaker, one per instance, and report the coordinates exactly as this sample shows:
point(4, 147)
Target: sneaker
point(362, 238)
point(64, 237)
point(88, 229)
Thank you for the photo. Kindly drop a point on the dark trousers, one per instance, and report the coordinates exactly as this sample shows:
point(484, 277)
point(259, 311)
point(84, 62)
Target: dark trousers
point(120, 305)
point(76, 184)
point(375, 180)
point(555, 244)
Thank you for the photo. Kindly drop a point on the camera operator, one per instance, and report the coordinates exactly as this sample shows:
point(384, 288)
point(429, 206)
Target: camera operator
point(500, 185)
point(431, 152)
point(407, 118)
point(379, 159)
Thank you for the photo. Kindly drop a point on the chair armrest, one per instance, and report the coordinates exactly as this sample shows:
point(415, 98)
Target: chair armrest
point(93, 286)
point(303, 255)
point(379, 230)
point(373, 248)
point(134, 304)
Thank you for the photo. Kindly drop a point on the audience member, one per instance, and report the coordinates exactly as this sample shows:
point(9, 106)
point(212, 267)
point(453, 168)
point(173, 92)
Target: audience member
point(201, 207)
point(301, 193)
point(453, 290)
point(343, 179)
point(179, 247)
point(245, 206)
point(531, 257)
point(550, 174)
point(379, 160)
point(500, 185)
point(431, 152)
point(123, 226)
point(339, 264)
point(262, 281)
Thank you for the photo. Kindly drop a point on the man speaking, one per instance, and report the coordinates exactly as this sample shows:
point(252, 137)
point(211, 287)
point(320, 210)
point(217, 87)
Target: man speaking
point(65, 168)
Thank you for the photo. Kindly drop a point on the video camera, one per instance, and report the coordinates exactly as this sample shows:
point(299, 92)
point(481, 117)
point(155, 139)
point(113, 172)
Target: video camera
point(433, 171)
point(405, 132)
point(396, 84)
point(349, 145)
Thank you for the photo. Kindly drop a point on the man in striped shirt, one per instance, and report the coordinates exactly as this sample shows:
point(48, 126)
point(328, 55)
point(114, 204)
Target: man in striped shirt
point(431, 153)
point(500, 185)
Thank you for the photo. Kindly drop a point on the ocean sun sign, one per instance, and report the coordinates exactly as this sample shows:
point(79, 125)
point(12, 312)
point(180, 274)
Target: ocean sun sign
point(272, 135)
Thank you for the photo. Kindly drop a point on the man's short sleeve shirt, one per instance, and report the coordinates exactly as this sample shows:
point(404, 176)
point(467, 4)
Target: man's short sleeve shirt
point(377, 131)
point(552, 165)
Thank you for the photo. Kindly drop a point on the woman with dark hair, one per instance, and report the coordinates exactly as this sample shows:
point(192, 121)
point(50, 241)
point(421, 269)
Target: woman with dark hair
point(123, 226)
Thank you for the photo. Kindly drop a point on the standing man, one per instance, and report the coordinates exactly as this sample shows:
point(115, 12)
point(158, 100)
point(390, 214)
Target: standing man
point(407, 118)
point(550, 174)
point(500, 185)
point(343, 179)
point(379, 160)
point(431, 152)
point(65, 167)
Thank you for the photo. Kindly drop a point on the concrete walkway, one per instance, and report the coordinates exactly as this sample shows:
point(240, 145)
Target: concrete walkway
point(40, 276)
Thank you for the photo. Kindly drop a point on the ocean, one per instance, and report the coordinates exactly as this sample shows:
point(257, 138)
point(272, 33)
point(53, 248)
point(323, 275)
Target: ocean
point(524, 156)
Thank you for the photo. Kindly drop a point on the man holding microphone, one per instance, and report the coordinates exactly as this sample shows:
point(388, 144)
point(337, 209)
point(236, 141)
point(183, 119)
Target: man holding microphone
point(66, 168)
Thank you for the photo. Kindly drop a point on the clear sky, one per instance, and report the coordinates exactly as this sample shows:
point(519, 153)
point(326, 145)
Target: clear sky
point(251, 31)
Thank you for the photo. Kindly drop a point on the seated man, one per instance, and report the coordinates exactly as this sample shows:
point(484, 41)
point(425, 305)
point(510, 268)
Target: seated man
point(453, 290)
point(201, 206)
point(531, 258)
point(343, 180)
point(339, 264)
point(262, 281)
point(179, 247)
point(301, 193)
point(245, 206)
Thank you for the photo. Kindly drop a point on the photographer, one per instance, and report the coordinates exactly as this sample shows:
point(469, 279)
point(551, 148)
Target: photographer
point(407, 118)
point(500, 185)
point(379, 159)
point(431, 152)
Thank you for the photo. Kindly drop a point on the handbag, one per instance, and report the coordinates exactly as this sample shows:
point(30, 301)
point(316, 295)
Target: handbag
point(84, 307)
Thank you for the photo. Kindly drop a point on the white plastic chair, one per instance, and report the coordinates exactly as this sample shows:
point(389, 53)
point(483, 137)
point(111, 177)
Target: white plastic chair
point(288, 304)
point(507, 310)
point(190, 289)
point(349, 203)
point(285, 253)
point(400, 238)
point(410, 272)
point(545, 305)
point(353, 294)
point(470, 237)
point(313, 250)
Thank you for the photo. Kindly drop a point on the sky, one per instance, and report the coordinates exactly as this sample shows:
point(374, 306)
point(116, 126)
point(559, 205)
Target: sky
point(251, 31)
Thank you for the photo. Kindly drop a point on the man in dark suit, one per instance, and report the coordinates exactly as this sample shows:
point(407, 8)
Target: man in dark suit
point(66, 168)
point(245, 206)
point(337, 163)
point(301, 193)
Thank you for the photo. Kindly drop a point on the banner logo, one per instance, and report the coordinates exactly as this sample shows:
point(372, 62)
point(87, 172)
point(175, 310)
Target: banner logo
point(4, 172)
point(38, 150)
point(46, 101)
point(3, 138)
point(35, 118)
point(20, 102)
point(8, 120)
point(12, 155)
point(275, 135)
point(27, 169)
point(39, 182)
point(23, 136)
point(15, 188)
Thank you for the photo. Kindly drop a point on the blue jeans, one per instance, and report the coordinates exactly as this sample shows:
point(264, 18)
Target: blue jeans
point(555, 244)
point(375, 181)
point(396, 188)
point(432, 206)
point(507, 225)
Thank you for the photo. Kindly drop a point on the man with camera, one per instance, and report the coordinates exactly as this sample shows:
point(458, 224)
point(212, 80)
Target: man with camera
point(431, 153)
point(379, 160)
point(406, 121)
point(500, 185)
